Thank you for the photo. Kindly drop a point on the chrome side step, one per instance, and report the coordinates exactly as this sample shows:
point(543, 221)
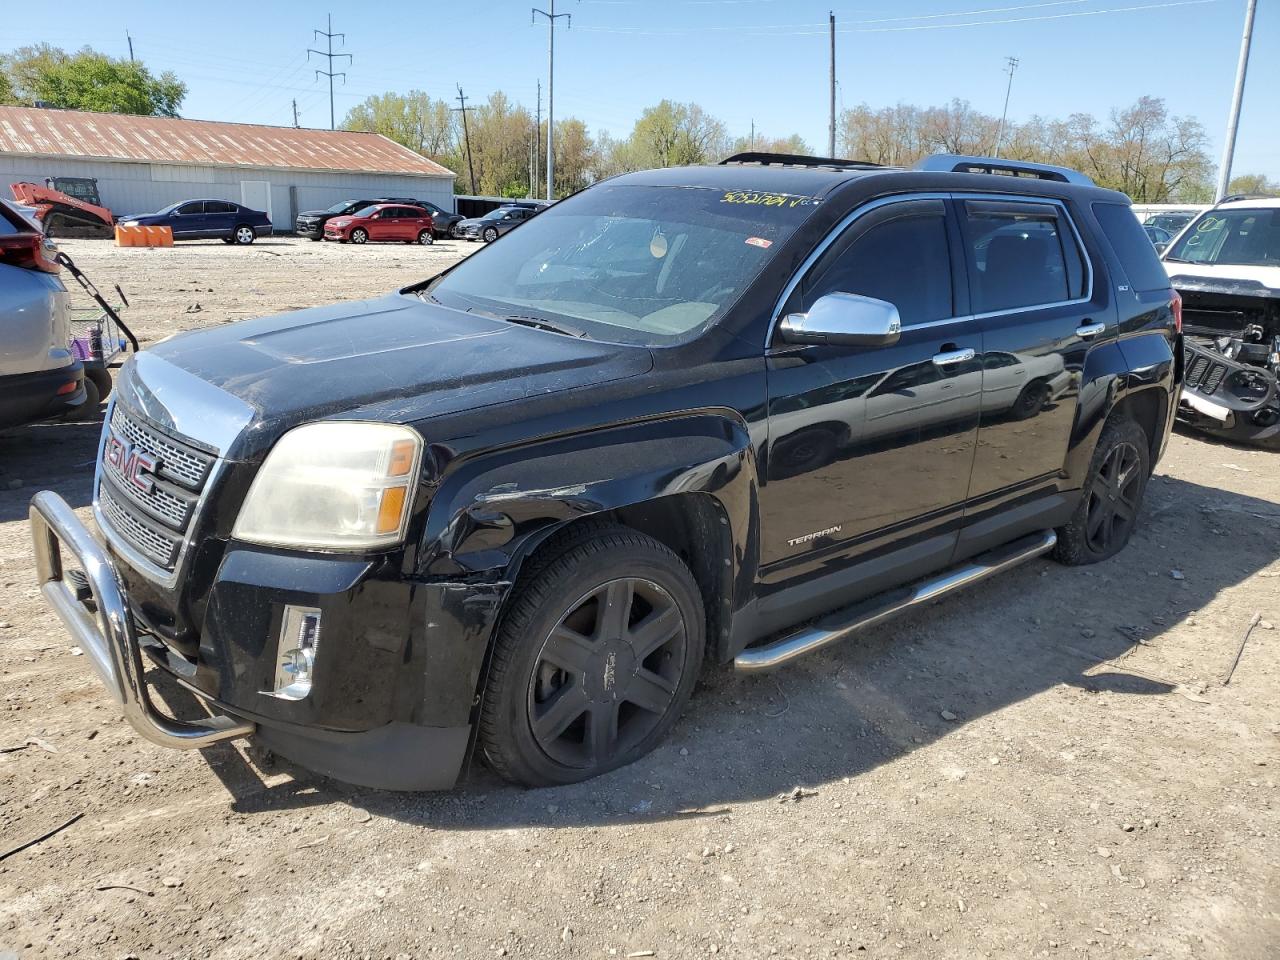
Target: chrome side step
point(845, 623)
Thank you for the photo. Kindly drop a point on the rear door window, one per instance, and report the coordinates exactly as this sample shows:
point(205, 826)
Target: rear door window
point(1020, 255)
point(1131, 246)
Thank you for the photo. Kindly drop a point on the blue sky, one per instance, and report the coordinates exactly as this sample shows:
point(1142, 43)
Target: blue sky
point(743, 60)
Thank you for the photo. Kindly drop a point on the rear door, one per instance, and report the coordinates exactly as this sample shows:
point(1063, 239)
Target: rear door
point(1031, 288)
point(220, 217)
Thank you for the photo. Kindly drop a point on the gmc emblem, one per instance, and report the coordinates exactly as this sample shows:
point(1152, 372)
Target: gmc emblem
point(133, 465)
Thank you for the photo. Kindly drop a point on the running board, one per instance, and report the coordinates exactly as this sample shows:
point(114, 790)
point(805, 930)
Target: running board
point(845, 623)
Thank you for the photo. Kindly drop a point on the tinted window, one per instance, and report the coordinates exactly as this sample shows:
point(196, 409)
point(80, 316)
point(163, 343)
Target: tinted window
point(219, 206)
point(195, 206)
point(1021, 255)
point(903, 259)
point(1132, 247)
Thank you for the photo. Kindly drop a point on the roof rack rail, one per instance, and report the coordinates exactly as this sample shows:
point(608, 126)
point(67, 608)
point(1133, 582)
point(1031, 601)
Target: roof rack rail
point(957, 163)
point(797, 160)
point(1248, 196)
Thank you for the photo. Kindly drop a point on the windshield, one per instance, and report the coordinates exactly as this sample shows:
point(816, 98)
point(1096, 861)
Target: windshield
point(634, 264)
point(496, 214)
point(365, 211)
point(339, 207)
point(1245, 237)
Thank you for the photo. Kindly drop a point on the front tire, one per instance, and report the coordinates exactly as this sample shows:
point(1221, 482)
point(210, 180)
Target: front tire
point(243, 235)
point(1109, 505)
point(595, 660)
point(359, 236)
point(490, 235)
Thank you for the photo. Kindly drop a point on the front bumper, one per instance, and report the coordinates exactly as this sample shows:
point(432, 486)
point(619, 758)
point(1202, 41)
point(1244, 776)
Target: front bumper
point(418, 736)
point(1209, 405)
point(311, 229)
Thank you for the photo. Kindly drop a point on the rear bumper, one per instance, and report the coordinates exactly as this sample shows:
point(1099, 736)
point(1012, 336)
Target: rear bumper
point(27, 397)
point(395, 755)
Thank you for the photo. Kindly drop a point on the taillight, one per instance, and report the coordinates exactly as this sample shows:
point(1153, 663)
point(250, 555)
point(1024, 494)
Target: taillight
point(34, 251)
point(1176, 306)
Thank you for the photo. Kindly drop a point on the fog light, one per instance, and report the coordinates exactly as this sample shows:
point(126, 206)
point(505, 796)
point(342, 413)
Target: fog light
point(296, 653)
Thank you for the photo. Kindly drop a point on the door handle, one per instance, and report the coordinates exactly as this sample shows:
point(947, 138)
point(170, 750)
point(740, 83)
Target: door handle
point(1090, 330)
point(950, 357)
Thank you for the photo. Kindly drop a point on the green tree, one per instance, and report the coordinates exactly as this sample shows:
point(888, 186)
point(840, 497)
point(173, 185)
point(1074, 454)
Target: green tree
point(1254, 183)
point(88, 80)
point(6, 86)
point(671, 134)
point(793, 145)
point(413, 119)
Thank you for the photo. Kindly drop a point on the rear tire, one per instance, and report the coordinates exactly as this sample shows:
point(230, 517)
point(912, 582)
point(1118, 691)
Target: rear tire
point(1111, 500)
point(426, 238)
point(243, 235)
point(596, 658)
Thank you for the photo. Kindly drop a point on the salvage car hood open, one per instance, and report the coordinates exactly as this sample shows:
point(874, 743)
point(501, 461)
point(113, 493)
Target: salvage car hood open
point(332, 360)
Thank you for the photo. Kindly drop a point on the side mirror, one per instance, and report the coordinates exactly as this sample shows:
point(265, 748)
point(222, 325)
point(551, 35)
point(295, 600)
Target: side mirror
point(846, 319)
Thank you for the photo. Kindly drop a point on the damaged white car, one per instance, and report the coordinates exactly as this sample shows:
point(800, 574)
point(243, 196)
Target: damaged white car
point(1226, 266)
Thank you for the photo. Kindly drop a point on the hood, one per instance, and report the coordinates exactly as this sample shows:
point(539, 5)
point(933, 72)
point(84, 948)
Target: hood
point(471, 222)
point(415, 359)
point(1225, 278)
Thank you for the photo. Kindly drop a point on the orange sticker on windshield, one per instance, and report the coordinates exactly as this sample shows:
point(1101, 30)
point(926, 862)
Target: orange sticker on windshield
point(760, 242)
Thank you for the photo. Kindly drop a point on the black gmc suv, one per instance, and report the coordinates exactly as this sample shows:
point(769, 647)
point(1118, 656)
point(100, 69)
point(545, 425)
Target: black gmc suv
point(731, 413)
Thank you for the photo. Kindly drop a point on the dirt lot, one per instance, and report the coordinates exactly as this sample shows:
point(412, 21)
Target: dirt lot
point(1048, 765)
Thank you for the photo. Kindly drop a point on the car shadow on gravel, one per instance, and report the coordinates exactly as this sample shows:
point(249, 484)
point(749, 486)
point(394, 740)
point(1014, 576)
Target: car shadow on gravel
point(873, 700)
point(56, 455)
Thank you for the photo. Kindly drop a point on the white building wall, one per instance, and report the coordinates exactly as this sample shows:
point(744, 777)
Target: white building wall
point(129, 187)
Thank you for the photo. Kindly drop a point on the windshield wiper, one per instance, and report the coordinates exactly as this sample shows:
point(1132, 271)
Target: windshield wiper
point(539, 324)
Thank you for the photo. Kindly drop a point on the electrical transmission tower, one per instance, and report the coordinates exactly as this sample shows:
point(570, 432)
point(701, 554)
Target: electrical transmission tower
point(328, 34)
point(552, 17)
point(1011, 68)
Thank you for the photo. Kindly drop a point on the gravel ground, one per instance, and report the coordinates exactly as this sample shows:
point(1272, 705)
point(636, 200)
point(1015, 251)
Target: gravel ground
point(1048, 765)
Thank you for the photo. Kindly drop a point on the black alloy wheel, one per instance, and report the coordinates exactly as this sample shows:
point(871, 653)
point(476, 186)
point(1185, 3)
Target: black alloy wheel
point(1111, 499)
point(595, 659)
point(607, 674)
point(1112, 507)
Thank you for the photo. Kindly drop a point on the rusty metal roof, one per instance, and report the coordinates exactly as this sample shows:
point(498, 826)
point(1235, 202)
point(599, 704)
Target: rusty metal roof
point(115, 136)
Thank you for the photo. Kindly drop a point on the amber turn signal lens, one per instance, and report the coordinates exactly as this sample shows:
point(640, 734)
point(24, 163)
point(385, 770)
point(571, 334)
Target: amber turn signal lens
point(390, 509)
point(402, 452)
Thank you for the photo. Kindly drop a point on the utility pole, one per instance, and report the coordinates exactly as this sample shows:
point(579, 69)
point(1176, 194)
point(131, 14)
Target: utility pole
point(328, 34)
point(831, 132)
point(552, 17)
point(295, 114)
point(130, 39)
point(1233, 122)
point(537, 136)
point(1011, 68)
point(753, 134)
point(466, 135)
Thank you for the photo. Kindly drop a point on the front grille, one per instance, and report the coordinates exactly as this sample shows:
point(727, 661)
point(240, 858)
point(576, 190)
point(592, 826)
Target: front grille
point(150, 484)
point(1205, 374)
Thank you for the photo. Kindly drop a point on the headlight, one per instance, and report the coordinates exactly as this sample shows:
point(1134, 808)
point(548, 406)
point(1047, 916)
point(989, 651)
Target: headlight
point(339, 485)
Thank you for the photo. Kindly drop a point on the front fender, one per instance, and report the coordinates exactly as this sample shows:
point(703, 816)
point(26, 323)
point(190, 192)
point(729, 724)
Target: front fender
point(486, 510)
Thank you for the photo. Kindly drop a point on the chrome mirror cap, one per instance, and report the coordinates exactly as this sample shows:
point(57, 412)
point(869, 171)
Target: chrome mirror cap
point(845, 319)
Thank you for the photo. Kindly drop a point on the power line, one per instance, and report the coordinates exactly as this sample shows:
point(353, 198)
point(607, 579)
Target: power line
point(552, 17)
point(329, 35)
point(466, 134)
point(1011, 68)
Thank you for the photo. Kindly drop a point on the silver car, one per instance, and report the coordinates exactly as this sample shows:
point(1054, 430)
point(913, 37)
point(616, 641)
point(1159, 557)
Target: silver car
point(39, 375)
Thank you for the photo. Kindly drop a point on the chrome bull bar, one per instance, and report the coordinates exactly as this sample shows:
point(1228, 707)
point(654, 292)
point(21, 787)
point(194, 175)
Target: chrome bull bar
point(108, 637)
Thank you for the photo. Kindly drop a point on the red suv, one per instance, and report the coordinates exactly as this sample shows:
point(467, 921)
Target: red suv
point(392, 222)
